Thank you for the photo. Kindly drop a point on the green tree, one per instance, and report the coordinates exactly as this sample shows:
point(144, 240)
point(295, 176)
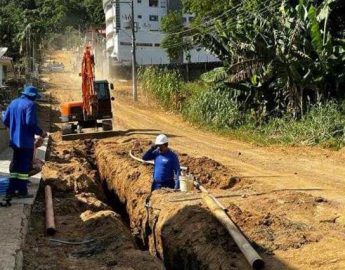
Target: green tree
point(38, 19)
point(280, 54)
point(173, 43)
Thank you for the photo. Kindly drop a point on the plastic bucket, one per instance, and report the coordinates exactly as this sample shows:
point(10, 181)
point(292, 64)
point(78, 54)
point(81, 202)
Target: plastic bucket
point(186, 183)
point(4, 182)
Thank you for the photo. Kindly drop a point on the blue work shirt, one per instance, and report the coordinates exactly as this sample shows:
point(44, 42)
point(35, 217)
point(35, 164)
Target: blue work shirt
point(166, 167)
point(21, 119)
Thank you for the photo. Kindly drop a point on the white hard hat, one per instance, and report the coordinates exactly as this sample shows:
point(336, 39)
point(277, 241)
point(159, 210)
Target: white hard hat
point(161, 139)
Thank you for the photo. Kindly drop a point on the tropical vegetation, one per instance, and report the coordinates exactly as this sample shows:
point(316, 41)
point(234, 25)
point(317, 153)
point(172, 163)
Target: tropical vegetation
point(282, 66)
point(25, 22)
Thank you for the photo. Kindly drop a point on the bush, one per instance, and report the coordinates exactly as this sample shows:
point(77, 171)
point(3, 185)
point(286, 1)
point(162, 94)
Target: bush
point(165, 85)
point(214, 107)
point(323, 124)
point(217, 108)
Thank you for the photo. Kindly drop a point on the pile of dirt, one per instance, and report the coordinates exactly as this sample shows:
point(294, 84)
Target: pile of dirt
point(69, 169)
point(283, 224)
point(81, 215)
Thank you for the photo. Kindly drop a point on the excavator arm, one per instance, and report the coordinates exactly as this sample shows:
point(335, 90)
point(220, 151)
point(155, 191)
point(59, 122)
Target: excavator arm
point(90, 104)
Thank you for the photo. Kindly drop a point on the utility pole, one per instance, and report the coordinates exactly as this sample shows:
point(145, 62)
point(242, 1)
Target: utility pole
point(134, 48)
point(134, 57)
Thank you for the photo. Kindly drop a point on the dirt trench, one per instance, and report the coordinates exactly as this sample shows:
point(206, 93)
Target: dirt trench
point(182, 233)
point(81, 214)
point(180, 230)
point(177, 229)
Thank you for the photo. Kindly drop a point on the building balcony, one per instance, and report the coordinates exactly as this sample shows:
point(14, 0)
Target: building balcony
point(109, 15)
point(110, 30)
point(110, 45)
point(106, 2)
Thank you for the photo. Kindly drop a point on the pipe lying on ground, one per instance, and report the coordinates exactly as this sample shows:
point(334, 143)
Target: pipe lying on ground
point(248, 251)
point(220, 212)
point(50, 221)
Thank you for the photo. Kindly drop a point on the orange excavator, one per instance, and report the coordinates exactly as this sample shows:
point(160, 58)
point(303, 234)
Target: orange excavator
point(94, 111)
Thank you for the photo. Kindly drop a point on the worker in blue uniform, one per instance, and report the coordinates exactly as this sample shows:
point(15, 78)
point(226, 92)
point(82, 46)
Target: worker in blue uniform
point(167, 166)
point(21, 120)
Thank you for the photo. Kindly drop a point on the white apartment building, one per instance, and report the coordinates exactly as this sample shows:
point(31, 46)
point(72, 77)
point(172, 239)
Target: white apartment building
point(148, 14)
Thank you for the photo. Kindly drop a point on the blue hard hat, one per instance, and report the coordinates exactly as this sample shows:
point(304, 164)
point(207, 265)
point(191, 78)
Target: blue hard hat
point(31, 91)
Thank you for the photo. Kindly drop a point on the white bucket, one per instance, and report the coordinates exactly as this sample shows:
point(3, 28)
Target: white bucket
point(186, 183)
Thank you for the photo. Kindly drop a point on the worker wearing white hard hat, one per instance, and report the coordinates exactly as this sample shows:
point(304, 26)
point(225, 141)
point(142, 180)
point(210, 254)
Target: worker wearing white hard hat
point(167, 166)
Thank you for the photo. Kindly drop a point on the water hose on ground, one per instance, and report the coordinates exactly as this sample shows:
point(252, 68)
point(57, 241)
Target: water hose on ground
point(71, 242)
point(220, 212)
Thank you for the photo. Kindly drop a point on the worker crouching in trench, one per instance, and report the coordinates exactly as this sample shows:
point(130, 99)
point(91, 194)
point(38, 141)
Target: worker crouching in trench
point(167, 166)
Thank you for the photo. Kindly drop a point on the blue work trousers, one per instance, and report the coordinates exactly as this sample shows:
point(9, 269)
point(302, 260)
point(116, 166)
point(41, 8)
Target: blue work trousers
point(19, 171)
point(159, 185)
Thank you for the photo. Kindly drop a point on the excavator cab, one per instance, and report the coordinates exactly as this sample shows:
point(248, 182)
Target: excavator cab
point(74, 118)
point(103, 99)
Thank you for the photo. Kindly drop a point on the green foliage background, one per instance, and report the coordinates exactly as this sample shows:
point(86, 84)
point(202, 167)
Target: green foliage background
point(44, 18)
point(279, 57)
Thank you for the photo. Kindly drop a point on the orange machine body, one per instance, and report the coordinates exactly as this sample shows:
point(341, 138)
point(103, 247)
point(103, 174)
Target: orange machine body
point(95, 109)
point(87, 108)
point(70, 111)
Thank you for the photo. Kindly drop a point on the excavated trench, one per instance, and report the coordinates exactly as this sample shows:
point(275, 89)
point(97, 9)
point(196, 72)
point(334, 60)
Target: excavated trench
point(100, 193)
point(179, 231)
point(82, 214)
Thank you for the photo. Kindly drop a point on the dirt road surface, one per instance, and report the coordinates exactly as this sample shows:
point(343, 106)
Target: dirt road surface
point(303, 184)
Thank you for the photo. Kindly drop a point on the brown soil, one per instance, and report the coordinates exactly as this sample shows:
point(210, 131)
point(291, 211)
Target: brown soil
point(179, 223)
point(288, 201)
point(185, 235)
point(80, 214)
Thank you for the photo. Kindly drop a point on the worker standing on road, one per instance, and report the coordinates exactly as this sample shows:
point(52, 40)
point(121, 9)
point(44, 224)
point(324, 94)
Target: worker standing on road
point(21, 119)
point(167, 166)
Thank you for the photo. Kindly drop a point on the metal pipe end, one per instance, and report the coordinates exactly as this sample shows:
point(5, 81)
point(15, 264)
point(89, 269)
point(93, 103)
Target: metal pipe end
point(258, 264)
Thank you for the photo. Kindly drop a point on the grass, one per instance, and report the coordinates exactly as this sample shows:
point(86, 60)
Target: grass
point(216, 110)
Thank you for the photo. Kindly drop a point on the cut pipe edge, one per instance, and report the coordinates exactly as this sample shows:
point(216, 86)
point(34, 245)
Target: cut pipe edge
point(49, 209)
point(220, 212)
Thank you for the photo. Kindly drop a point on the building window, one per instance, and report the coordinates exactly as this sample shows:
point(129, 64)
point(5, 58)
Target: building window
point(139, 1)
point(144, 44)
point(153, 18)
point(153, 3)
point(140, 17)
point(157, 45)
point(125, 44)
point(184, 19)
